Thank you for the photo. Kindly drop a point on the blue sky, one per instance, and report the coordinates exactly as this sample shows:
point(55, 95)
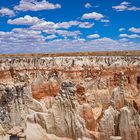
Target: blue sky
point(34, 26)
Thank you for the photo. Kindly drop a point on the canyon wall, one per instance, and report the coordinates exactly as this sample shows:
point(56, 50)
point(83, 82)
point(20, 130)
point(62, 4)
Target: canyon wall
point(70, 97)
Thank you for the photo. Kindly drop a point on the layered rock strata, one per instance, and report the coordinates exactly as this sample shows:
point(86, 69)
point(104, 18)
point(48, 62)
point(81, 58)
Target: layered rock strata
point(70, 97)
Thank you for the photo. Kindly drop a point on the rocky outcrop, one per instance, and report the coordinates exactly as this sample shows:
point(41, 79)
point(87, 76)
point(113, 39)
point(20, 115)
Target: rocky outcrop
point(42, 88)
point(62, 112)
point(14, 104)
point(70, 98)
point(129, 124)
point(107, 123)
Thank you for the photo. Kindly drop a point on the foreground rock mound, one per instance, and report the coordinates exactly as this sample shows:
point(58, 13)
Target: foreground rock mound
point(70, 98)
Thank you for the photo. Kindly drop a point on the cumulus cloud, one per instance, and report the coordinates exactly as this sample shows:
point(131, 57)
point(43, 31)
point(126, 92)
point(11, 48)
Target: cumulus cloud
point(105, 20)
point(67, 25)
point(93, 36)
point(134, 30)
point(121, 29)
point(25, 40)
point(88, 5)
point(93, 15)
point(51, 25)
point(40, 24)
point(21, 40)
point(26, 20)
point(86, 25)
point(61, 25)
point(92, 45)
point(63, 33)
point(25, 31)
point(129, 36)
point(34, 5)
point(51, 37)
point(44, 25)
point(125, 3)
point(6, 12)
point(134, 8)
point(125, 6)
point(13, 42)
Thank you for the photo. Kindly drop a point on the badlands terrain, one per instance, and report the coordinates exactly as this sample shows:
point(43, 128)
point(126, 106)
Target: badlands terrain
point(70, 96)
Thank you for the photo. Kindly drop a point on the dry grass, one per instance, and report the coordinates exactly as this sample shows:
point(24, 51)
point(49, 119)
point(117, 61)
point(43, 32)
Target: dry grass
point(109, 53)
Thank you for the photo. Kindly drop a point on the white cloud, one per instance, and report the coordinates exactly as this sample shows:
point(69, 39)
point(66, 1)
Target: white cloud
point(125, 6)
point(93, 15)
point(63, 33)
point(121, 29)
point(134, 30)
point(7, 12)
point(34, 5)
point(88, 5)
point(21, 40)
point(25, 31)
point(125, 3)
point(40, 24)
point(92, 45)
point(86, 25)
point(44, 25)
point(26, 20)
point(129, 36)
point(120, 7)
point(50, 31)
point(61, 25)
point(105, 20)
point(106, 25)
point(30, 41)
point(123, 39)
point(133, 36)
point(93, 36)
point(51, 37)
point(134, 8)
point(123, 35)
point(67, 25)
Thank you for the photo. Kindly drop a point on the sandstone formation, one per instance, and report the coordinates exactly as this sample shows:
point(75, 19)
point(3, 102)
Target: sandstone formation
point(70, 97)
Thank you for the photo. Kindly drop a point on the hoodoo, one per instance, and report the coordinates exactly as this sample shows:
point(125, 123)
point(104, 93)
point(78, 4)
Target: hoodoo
point(70, 97)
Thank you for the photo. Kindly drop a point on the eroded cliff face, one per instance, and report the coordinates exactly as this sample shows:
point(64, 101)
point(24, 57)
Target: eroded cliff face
point(70, 98)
